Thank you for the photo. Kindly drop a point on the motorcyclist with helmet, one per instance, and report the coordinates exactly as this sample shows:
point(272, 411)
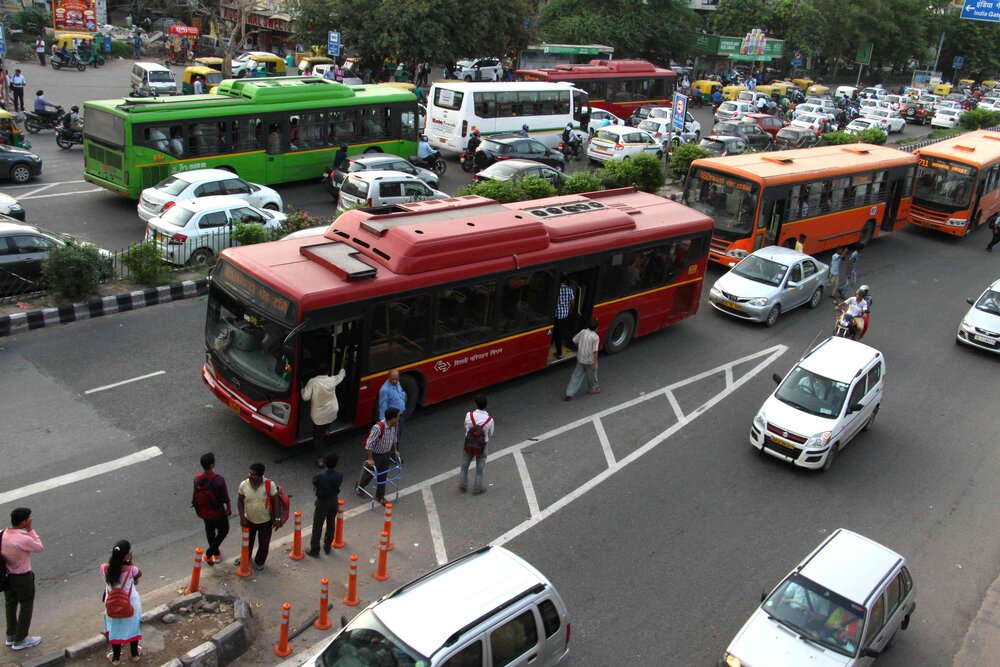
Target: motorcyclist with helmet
point(572, 139)
point(473, 144)
point(72, 121)
point(855, 313)
point(524, 131)
point(424, 150)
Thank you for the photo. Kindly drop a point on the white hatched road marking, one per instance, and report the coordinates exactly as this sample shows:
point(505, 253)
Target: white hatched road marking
point(48, 185)
point(529, 487)
point(118, 384)
point(64, 194)
point(437, 536)
point(676, 406)
point(609, 455)
point(37, 190)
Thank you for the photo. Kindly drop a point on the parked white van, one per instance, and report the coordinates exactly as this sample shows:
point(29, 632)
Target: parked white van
point(152, 79)
point(489, 607)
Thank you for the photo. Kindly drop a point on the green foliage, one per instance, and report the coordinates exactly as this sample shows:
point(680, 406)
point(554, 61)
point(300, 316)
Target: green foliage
point(349, 208)
point(650, 173)
point(683, 156)
point(120, 49)
point(582, 181)
point(839, 138)
point(507, 192)
point(975, 119)
point(33, 20)
point(249, 233)
point(74, 271)
point(873, 135)
point(534, 187)
point(145, 264)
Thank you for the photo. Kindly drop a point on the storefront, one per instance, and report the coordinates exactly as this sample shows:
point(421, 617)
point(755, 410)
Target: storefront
point(270, 27)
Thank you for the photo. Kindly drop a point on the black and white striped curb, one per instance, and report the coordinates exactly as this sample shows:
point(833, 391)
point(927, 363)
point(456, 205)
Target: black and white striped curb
point(100, 306)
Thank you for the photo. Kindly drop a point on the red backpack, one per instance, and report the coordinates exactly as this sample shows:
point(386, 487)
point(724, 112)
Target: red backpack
point(205, 500)
point(284, 502)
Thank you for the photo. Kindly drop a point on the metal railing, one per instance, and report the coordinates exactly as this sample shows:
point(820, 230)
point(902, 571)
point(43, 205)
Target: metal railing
point(929, 142)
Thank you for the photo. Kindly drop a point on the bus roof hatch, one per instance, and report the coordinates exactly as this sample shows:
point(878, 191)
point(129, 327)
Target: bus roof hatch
point(340, 258)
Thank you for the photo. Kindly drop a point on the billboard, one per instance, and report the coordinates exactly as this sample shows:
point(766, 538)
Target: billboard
point(74, 15)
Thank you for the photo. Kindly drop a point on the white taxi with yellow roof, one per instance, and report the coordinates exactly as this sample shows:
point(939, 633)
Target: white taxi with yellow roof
point(614, 143)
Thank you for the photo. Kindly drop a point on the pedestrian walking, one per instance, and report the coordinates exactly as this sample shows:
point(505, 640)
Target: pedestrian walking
point(256, 505)
point(197, 86)
point(800, 244)
point(327, 487)
point(478, 431)
point(995, 228)
point(122, 604)
point(849, 274)
point(833, 281)
point(17, 84)
point(392, 395)
point(137, 44)
point(321, 392)
point(17, 543)
point(40, 50)
point(382, 439)
point(564, 306)
point(210, 500)
point(587, 342)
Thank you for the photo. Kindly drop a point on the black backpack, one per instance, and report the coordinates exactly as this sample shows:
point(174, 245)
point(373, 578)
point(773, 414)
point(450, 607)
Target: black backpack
point(475, 438)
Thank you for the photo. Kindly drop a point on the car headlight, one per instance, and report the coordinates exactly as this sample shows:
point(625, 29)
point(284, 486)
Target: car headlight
point(277, 411)
point(759, 301)
point(715, 290)
point(737, 253)
point(967, 325)
point(818, 440)
point(759, 421)
point(731, 660)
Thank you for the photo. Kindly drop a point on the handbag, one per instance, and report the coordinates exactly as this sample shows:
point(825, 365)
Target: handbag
point(118, 603)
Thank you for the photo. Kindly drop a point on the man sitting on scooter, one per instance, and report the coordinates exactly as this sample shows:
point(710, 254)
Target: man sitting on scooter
point(854, 311)
point(571, 138)
point(71, 121)
point(41, 107)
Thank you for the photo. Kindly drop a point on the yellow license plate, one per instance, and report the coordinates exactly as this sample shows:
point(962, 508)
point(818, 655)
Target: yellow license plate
point(158, 236)
point(730, 304)
point(786, 445)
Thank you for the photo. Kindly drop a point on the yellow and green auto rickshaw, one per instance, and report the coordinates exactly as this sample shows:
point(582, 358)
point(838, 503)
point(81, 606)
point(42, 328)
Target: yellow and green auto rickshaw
point(10, 133)
point(209, 78)
point(209, 61)
point(817, 89)
point(803, 84)
point(942, 89)
point(732, 92)
point(781, 88)
point(306, 63)
point(271, 64)
point(990, 84)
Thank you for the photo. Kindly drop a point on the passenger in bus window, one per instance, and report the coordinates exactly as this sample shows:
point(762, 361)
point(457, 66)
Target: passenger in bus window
point(158, 140)
point(274, 139)
point(176, 141)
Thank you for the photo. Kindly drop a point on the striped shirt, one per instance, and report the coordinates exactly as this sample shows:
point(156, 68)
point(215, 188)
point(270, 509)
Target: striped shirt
point(564, 302)
point(381, 439)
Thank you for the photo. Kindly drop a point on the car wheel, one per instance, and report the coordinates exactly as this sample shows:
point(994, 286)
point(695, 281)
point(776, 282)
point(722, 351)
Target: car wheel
point(372, 149)
point(271, 206)
point(697, 135)
point(871, 420)
point(772, 316)
point(620, 333)
point(829, 458)
point(20, 173)
point(468, 79)
point(816, 297)
point(201, 257)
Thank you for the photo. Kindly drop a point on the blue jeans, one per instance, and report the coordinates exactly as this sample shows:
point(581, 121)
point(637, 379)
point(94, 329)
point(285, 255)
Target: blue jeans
point(576, 380)
point(463, 480)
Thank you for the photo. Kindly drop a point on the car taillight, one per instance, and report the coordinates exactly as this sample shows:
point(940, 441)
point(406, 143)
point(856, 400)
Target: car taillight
point(166, 207)
point(368, 202)
point(475, 178)
point(465, 127)
point(658, 135)
point(619, 147)
point(178, 239)
point(498, 158)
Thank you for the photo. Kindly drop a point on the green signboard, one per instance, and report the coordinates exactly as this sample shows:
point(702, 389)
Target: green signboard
point(864, 55)
point(574, 50)
point(720, 45)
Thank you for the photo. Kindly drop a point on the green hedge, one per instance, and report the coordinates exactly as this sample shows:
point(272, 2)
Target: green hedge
point(975, 119)
point(75, 271)
point(683, 156)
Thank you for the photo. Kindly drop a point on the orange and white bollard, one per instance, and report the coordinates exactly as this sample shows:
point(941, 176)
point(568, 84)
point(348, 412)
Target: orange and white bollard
point(245, 570)
point(297, 539)
point(282, 649)
point(195, 573)
point(352, 583)
point(387, 525)
point(338, 531)
point(323, 622)
point(382, 573)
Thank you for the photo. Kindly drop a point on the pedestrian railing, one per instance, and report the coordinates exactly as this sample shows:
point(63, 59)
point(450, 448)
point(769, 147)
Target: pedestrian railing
point(929, 142)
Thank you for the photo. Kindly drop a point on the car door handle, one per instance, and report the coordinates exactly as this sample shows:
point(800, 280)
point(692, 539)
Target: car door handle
point(532, 657)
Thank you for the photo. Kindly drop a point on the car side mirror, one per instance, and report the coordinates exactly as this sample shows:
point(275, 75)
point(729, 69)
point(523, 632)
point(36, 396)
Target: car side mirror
point(792, 284)
point(763, 595)
point(870, 653)
point(971, 302)
point(343, 621)
point(776, 378)
point(857, 407)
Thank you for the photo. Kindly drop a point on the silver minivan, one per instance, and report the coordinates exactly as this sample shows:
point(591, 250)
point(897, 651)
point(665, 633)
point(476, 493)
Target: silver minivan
point(383, 188)
point(841, 607)
point(484, 609)
point(152, 80)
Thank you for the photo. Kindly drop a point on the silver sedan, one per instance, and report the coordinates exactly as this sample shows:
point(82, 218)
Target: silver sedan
point(769, 282)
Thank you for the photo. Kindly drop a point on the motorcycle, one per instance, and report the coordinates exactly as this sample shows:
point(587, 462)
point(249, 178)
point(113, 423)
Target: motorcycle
point(329, 185)
point(468, 161)
point(34, 123)
point(571, 149)
point(67, 138)
point(434, 162)
point(58, 62)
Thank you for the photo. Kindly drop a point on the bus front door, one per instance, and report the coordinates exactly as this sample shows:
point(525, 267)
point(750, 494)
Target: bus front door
point(892, 205)
point(325, 351)
point(774, 216)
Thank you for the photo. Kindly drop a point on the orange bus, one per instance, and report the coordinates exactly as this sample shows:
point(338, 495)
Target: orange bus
point(457, 294)
point(834, 195)
point(958, 183)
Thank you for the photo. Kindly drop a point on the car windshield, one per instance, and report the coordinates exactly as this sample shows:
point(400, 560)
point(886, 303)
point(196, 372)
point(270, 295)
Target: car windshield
point(355, 187)
point(815, 394)
point(817, 613)
point(501, 171)
point(730, 202)
point(649, 126)
point(727, 129)
point(761, 270)
point(728, 106)
point(989, 302)
point(357, 165)
point(171, 185)
point(944, 182)
point(161, 77)
point(367, 642)
point(659, 113)
point(808, 118)
point(859, 124)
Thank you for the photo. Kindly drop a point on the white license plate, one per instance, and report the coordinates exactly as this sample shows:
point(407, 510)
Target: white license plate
point(984, 339)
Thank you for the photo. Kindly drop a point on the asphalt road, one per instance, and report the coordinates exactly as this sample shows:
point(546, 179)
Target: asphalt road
point(661, 560)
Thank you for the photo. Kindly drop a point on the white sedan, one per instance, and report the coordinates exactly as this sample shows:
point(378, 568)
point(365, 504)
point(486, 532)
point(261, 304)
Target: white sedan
point(888, 121)
point(859, 125)
point(597, 118)
point(981, 325)
point(815, 122)
point(615, 143)
point(946, 118)
point(813, 110)
point(196, 183)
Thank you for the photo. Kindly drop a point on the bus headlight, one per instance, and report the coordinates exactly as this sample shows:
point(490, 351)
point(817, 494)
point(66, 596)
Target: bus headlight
point(956, 222)
point(277, 411)
point(737, 253)
point(818, 440)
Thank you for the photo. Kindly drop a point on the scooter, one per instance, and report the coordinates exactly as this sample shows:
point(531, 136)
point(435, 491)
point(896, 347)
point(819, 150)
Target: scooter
point(434, 162)
point(58, 62)
point(468, 161)
point(34, 123)
point(571, 149)
point(67, 138)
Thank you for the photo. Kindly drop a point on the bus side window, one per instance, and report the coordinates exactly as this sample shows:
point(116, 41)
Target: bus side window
point(507, 105)
point(613, 280)
point(245, 134)
point(679, 257)
point(399, 332)
point(485, 105)
point(203, 139)
point(908, 183)
point(525, 302)
point(464, 316)
point(529, 103)
point(658, 90)
point(838, 199)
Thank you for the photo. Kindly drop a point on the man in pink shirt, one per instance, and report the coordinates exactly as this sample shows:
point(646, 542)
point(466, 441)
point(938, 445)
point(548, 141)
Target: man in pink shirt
point(17, 543)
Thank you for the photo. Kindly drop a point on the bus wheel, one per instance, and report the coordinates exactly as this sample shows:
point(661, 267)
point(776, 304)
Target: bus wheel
point(373, 149)
point(412, 389)
point(201, 257)
point(868, 233)
point(620, 333)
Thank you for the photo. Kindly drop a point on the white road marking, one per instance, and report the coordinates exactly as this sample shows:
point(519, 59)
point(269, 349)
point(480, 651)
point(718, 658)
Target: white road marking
point(529, 487)
point(65, 194)
point(118, 384)
point(37, 190)
point(35, 185)
point(86, 473)
point(437, 536)
point(609, 454)
point(729, 376)
point(675, 405)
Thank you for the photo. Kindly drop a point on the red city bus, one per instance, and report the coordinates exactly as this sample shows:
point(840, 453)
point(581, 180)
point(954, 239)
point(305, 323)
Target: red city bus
point(618, 86)
point(457, 294)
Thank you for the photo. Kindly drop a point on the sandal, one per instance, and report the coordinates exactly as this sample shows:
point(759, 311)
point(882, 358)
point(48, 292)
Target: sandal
point(111, 658)
point(135, 658)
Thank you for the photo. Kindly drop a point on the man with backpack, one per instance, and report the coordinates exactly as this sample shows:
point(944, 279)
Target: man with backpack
point(381, 440)
point(478, 431)
point(210, 500)
point(259, 511)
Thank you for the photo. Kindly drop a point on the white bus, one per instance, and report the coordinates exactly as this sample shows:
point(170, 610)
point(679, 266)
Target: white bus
point(456, 108)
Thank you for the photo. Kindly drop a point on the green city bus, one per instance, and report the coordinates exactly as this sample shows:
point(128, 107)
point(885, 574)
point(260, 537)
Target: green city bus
point(272, 130)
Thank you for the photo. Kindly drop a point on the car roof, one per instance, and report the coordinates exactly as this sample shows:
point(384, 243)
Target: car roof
point(620, 129)
point(18, 228)
point(371, 175)
point(366, 159)
point(212, 203)
point(427, 612)
point(850, 564)
point(839, 359)
point(196, 175)
point(522, 164)
point(505, 138)
point(780, 254)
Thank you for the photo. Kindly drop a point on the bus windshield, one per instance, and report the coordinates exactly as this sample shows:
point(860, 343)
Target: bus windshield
point(246, 341)
point(730, 202)
point(944, 182)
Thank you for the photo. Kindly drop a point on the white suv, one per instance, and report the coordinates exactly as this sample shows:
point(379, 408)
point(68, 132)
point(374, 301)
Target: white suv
point(490, 69)
point(196, 183)
point(830, 396)
point(383, 188)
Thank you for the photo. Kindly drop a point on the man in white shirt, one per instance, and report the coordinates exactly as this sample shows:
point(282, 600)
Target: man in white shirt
point(587, 343)
point(321, 392)
point(480, 419)
point(855, 309)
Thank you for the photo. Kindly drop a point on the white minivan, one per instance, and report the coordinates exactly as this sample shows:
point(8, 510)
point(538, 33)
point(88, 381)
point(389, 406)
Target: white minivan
point(489, 607)
point(830, 396)
point(152, 80)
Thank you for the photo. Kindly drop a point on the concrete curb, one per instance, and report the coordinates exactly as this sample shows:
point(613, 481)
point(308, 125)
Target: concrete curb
point(100, 306)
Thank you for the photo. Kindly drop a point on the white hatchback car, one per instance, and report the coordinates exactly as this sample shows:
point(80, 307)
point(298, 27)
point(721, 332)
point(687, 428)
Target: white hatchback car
point(842, 606)
point(615, 143)
point(815, 122)
point(981, 325)
point(196, 230)
point(196, 183)
point(383, 188)
point(733, 111)
point(859, 125)
point(830, 396)
point(666, 114)
point(813, 110)
point(888, 120)
point(946, 118)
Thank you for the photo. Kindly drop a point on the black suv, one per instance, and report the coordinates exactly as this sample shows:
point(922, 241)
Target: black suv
point(758, 139)
point(511, 146)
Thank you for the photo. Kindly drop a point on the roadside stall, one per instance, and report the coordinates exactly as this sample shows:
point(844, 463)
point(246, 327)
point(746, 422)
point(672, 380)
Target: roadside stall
point(178, 43)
